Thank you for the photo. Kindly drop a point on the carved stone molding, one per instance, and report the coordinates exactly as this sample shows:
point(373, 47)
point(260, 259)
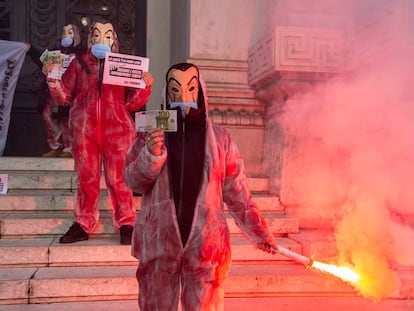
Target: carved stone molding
point(295, 50)
point(232, 117)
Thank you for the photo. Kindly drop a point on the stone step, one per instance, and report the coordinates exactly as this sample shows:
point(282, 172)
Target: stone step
point(42, 224)
point(100, 251)
point(308, 303)
point(36, 164)
point(53, 173)
point(63, 200)
point(67, 181)
point(63, 284)
point(36, 269)
point(36, 201)
point(33, 180)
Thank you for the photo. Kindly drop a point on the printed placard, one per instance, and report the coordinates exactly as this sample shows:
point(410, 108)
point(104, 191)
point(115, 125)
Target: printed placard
point(125, 70)
point(4, 183)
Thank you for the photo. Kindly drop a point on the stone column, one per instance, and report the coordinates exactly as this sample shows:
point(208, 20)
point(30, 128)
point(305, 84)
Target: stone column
point(283, 65)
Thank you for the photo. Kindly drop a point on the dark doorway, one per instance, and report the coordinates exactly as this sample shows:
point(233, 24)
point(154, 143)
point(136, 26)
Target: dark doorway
point(39, 23)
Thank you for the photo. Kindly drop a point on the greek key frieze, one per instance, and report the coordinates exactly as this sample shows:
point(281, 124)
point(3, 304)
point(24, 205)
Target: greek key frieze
point(307, 49)
point(297, 49)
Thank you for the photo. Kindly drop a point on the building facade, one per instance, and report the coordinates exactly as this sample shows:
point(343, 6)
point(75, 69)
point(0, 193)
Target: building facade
point(257, 58)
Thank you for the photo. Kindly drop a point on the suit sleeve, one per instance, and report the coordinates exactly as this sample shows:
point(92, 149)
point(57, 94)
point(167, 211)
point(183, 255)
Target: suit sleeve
point(239, 201)
point(142, 168)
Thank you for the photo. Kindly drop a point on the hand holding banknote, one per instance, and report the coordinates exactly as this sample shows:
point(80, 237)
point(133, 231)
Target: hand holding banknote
point(154, 140)
point(165, 120)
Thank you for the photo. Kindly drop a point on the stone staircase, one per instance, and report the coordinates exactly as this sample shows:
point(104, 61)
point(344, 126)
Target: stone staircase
point(35, 270)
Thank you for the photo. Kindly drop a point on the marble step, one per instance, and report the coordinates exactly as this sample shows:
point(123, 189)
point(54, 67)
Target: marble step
point(63, 200)
point(48, 252)
point(36, 164)
point(308, 303)
point(63, 284)
point(43, 224)
point(67, 181)
point(53, 173)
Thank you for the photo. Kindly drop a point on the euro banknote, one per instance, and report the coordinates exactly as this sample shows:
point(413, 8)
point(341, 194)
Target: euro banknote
point(166, 120)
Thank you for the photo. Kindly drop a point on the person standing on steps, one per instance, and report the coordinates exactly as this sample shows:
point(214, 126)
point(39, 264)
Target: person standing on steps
point(102, 130)
point(56, 117)
point(181, 237)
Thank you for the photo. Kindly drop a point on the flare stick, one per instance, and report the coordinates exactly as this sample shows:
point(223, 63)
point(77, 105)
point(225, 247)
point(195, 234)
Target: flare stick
point(306, 261)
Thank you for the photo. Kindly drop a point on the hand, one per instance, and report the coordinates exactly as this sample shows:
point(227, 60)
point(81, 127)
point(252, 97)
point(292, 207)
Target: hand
point(154, 140)
point(269, 247)
point(47, 67)
point(148, 79)
point(51, 83)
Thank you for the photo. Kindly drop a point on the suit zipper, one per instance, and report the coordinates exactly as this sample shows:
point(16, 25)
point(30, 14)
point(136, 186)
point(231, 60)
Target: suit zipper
point(180, 208)
point(98, 107)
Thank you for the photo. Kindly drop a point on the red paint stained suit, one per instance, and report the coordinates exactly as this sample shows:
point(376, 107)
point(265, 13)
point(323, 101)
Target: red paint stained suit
point(200, 262)
point(56, 117)
point(102, 130)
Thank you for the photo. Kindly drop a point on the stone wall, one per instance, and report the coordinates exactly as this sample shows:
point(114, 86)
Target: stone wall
point(219, 37)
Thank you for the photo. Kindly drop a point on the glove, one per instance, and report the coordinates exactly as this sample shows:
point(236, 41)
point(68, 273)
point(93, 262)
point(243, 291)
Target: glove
point(268, 247)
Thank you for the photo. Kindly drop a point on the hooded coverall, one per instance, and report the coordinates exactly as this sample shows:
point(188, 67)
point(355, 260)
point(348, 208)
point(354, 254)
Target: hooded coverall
point(57, 124)
point(102, 130)
point(203, 262)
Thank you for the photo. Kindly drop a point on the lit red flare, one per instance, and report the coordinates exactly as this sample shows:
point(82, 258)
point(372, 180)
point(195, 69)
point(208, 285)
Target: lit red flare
point(344, 273)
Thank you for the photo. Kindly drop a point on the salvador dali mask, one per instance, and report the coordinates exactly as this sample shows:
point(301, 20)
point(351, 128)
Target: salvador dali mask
point(70, 35)
point(182, 89)
point(102, 39)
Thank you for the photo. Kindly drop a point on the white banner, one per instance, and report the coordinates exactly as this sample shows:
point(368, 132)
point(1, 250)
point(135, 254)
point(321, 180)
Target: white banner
point(12, 55)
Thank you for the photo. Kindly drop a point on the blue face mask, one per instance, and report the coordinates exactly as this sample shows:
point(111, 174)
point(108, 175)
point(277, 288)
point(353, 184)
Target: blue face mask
point(184, 107)
point(99, 50)
point(66, 42)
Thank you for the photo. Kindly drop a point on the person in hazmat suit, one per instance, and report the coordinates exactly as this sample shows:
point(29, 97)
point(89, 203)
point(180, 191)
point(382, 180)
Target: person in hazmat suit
point(55, 116)
point(102, 130)
point(181, 237)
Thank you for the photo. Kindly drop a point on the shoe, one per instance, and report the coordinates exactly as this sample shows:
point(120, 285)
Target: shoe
point(74, 234)
point(126, 234)
point(65, 154)
point(52, 153)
